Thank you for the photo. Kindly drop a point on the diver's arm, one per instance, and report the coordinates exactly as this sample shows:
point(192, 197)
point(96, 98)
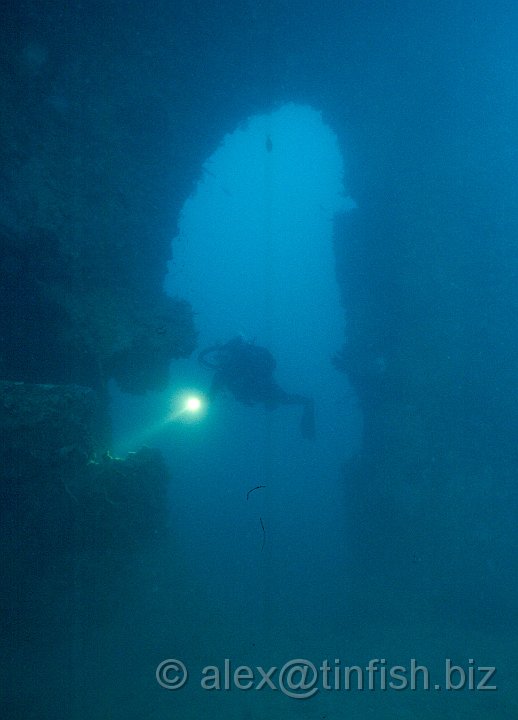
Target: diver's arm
point(307, 421)
point(284, 398)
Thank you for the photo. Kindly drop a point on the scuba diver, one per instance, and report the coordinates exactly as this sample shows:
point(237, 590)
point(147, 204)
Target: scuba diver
point(246, 370)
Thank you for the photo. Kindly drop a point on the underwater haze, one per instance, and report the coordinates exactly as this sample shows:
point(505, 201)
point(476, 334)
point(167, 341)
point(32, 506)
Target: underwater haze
point(259, 368)
point(251, 496)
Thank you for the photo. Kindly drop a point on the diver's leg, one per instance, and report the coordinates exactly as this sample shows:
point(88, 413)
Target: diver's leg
point(217, 385)
point(307, 422)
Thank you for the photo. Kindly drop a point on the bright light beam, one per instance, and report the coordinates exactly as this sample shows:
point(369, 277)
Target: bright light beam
point(187, 407)
point(193, 404)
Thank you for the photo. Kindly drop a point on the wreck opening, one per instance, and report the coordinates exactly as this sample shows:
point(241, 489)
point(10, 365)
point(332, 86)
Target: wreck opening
point(254, 254)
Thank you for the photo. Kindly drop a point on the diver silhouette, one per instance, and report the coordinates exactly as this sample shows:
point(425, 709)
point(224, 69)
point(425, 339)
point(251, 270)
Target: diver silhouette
point(247, 370)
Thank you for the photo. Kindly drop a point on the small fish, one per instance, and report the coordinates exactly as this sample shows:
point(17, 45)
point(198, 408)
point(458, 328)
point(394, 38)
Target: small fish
point(257, 487)
point(269, 144)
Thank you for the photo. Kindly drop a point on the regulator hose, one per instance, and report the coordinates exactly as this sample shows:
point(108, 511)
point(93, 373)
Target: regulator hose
point(202, 357)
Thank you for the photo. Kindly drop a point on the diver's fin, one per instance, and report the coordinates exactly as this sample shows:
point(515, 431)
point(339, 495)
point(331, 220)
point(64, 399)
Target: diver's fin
point(307, 422)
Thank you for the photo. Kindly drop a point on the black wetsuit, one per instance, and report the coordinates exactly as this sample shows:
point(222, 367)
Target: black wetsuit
point(247, 371)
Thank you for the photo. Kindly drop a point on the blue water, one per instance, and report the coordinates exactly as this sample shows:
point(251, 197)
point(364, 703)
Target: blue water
point(255, 255)
point(335, 182)
point(258, 512)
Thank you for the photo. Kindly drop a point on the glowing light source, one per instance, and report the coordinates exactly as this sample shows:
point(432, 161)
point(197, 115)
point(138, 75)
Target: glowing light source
point(193, 404)
point(187, 406)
